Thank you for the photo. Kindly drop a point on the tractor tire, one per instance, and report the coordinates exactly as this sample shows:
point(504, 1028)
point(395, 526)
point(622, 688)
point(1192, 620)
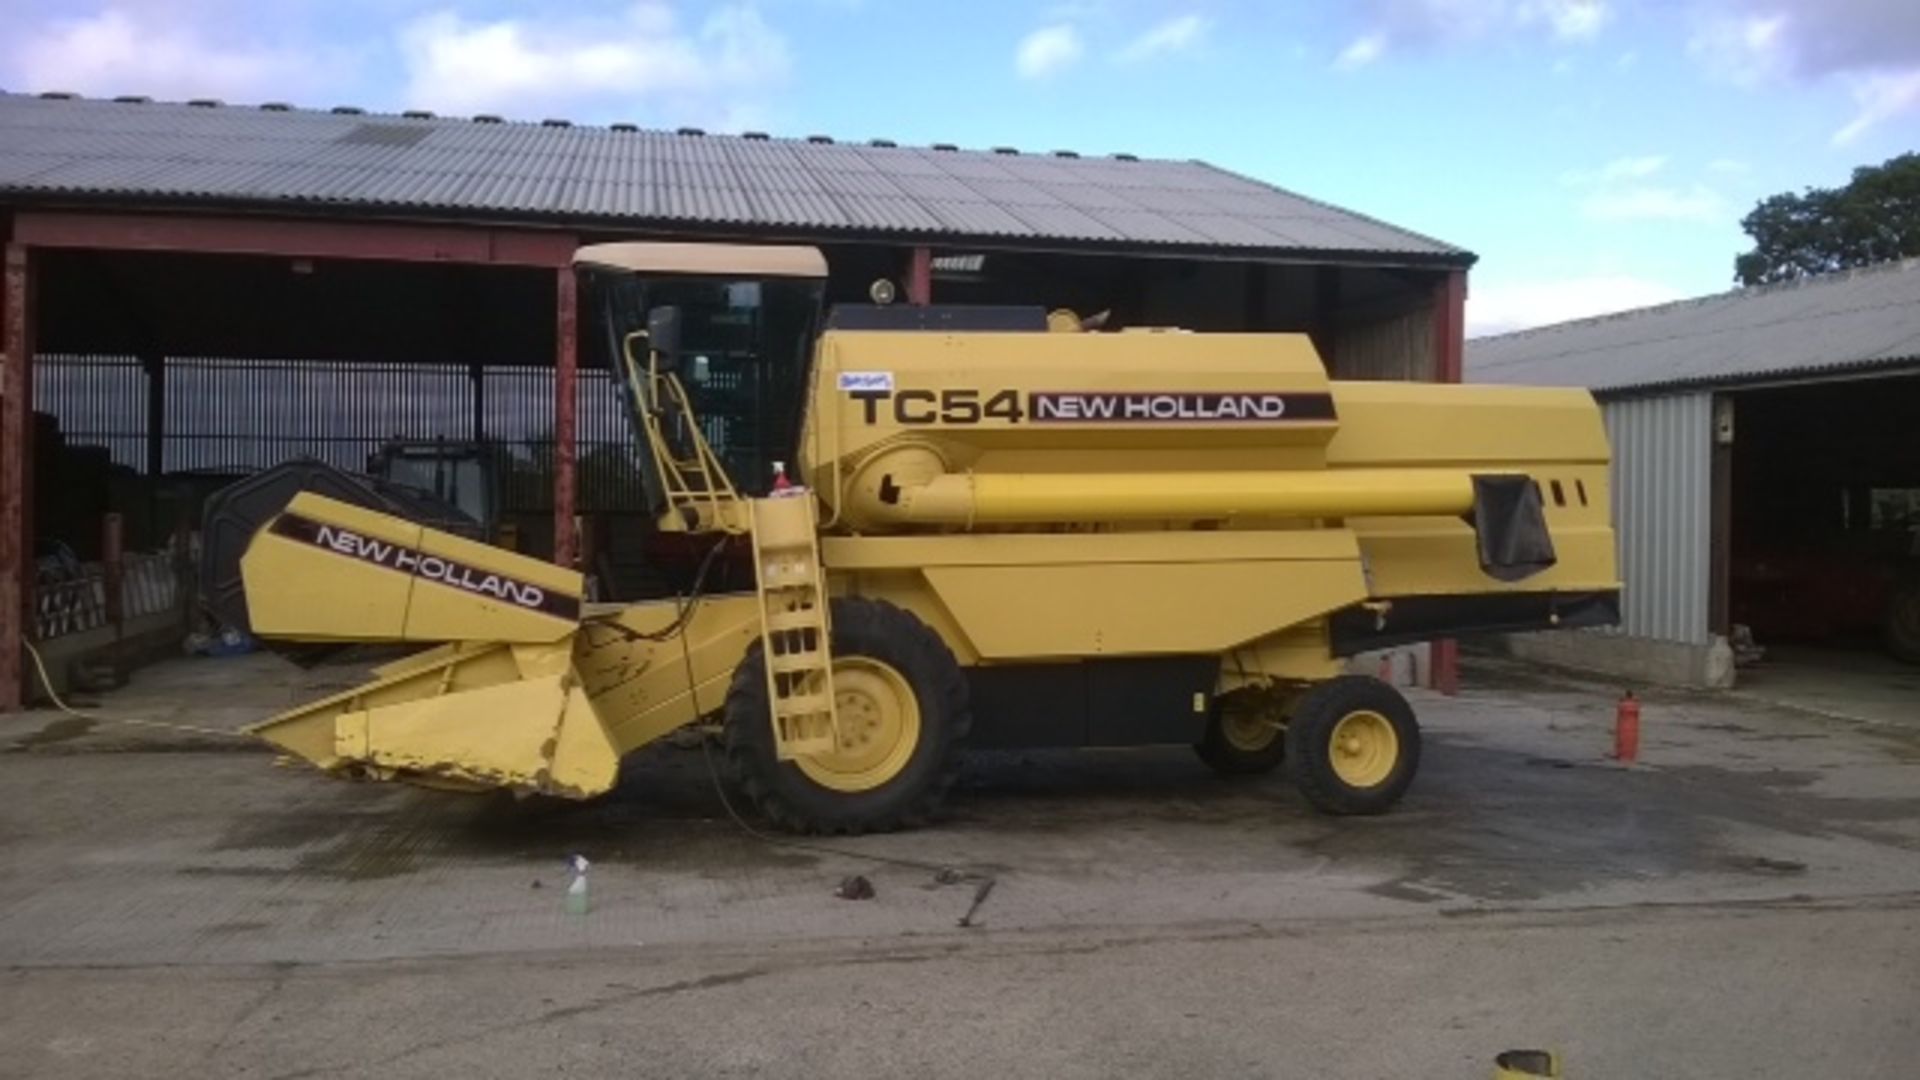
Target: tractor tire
point(1237, 743)
point(1352, 746)
point(1900, 629)
point(881, 654)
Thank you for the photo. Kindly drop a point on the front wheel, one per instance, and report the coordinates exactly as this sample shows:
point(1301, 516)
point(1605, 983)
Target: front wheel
point(1352, 746)
point(901, 702)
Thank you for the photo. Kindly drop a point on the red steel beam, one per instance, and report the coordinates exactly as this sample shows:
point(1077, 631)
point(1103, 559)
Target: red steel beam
point(1449, 352)
point(920, 276)
point(566, 368)
point(1449, 326)
point(16, 470)
point(210, 235)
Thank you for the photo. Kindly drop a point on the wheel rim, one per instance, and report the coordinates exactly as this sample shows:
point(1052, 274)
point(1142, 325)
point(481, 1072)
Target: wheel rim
point(1364, 748)
point(1248, 730)
point(879, 719)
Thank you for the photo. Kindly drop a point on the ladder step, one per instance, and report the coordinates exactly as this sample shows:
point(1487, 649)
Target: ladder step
point(805, 619)
point(800, 705)
point(800, 661)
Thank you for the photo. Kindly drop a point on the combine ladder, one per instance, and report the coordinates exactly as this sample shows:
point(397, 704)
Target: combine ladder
point(794, 630)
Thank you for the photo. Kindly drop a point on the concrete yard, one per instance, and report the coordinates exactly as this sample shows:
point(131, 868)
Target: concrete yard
point(1745, 903)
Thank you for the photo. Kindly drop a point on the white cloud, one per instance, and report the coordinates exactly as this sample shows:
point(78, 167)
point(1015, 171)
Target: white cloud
point(1570, 20)
point(1729, 166)
point(1623, 168)
point(121, 51)
point(1880, 97)
point(1498, 309)
point(1813, 38)
point(1620, 191)
point(1174, 35)
point(1647, 202)
point(1047, 50)
point(1632, 168)
point(1410, 25)
point(643, 56)
point(1873, 45)
point(1742, 49)
point(1363, 51)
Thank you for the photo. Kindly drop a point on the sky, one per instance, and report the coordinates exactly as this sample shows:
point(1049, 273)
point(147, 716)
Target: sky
point(1597, 154)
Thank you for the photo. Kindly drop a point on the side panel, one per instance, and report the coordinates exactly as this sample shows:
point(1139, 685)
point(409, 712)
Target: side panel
point(1554, 436)
point(1063, 595)
point(1140, 702)
point(325, 570)
point(1147, 702)
point(1017, 612)
point(1021, 706)
point(302, 587)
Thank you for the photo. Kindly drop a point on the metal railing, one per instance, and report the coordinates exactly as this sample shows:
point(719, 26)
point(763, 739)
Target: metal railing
point(228, 415)
point(73, 597)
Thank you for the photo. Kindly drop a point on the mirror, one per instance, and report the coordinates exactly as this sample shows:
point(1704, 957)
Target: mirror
point(663, 335)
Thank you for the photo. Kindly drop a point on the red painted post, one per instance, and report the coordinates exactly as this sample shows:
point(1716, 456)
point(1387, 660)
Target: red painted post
point(16, 465)
point(566, 368)
point(920, 276)
point(1449, 362)
point(113, 563)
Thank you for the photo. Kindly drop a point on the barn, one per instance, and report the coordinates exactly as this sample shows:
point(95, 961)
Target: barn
point(196, 290)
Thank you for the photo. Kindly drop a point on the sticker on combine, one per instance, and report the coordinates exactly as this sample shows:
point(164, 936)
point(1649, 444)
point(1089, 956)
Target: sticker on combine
point(435, 568)
point(1178, 407)
point(866, 380)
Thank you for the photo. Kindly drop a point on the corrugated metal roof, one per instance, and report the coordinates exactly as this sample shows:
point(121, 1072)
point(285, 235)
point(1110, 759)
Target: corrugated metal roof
point(236, 155)
point(1825, 325)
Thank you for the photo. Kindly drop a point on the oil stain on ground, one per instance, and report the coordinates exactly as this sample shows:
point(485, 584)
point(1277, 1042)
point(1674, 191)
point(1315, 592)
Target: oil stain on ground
point(665, 822)
point(62, 730)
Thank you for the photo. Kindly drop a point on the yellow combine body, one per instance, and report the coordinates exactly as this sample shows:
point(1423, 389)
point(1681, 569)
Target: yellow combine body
point(995, 536)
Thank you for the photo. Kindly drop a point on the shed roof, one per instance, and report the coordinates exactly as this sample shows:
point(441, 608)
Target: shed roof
point(1827, 325)
point(292, 159)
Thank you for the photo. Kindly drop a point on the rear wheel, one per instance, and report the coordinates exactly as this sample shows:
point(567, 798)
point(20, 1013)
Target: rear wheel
point(1902, 625)
point(1352, 746)
point(901, 702)
point(1245, 736)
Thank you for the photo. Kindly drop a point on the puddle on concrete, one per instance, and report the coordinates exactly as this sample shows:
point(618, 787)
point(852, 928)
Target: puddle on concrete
point(58, 731)
point(1761, 864)
point(1481, 823)
point(1494, 825)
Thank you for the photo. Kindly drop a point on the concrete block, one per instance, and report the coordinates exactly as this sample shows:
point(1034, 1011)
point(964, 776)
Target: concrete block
point(1641, 660)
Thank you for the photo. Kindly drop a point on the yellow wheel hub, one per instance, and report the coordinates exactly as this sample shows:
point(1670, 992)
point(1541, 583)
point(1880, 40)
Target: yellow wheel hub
point(1249, 730)
point(1364, 748)
point(879, 727)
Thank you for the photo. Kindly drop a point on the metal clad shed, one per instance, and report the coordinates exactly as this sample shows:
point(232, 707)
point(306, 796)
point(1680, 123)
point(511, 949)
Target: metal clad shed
point(1703, 400)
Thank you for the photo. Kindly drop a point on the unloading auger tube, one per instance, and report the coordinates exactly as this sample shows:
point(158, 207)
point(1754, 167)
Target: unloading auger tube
point(997, 534)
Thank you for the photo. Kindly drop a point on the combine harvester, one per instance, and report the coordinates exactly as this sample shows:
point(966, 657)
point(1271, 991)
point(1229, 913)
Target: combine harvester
point(1002, 530)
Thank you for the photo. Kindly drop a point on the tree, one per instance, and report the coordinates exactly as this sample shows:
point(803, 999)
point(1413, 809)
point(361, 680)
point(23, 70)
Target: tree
point(1873, 218)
